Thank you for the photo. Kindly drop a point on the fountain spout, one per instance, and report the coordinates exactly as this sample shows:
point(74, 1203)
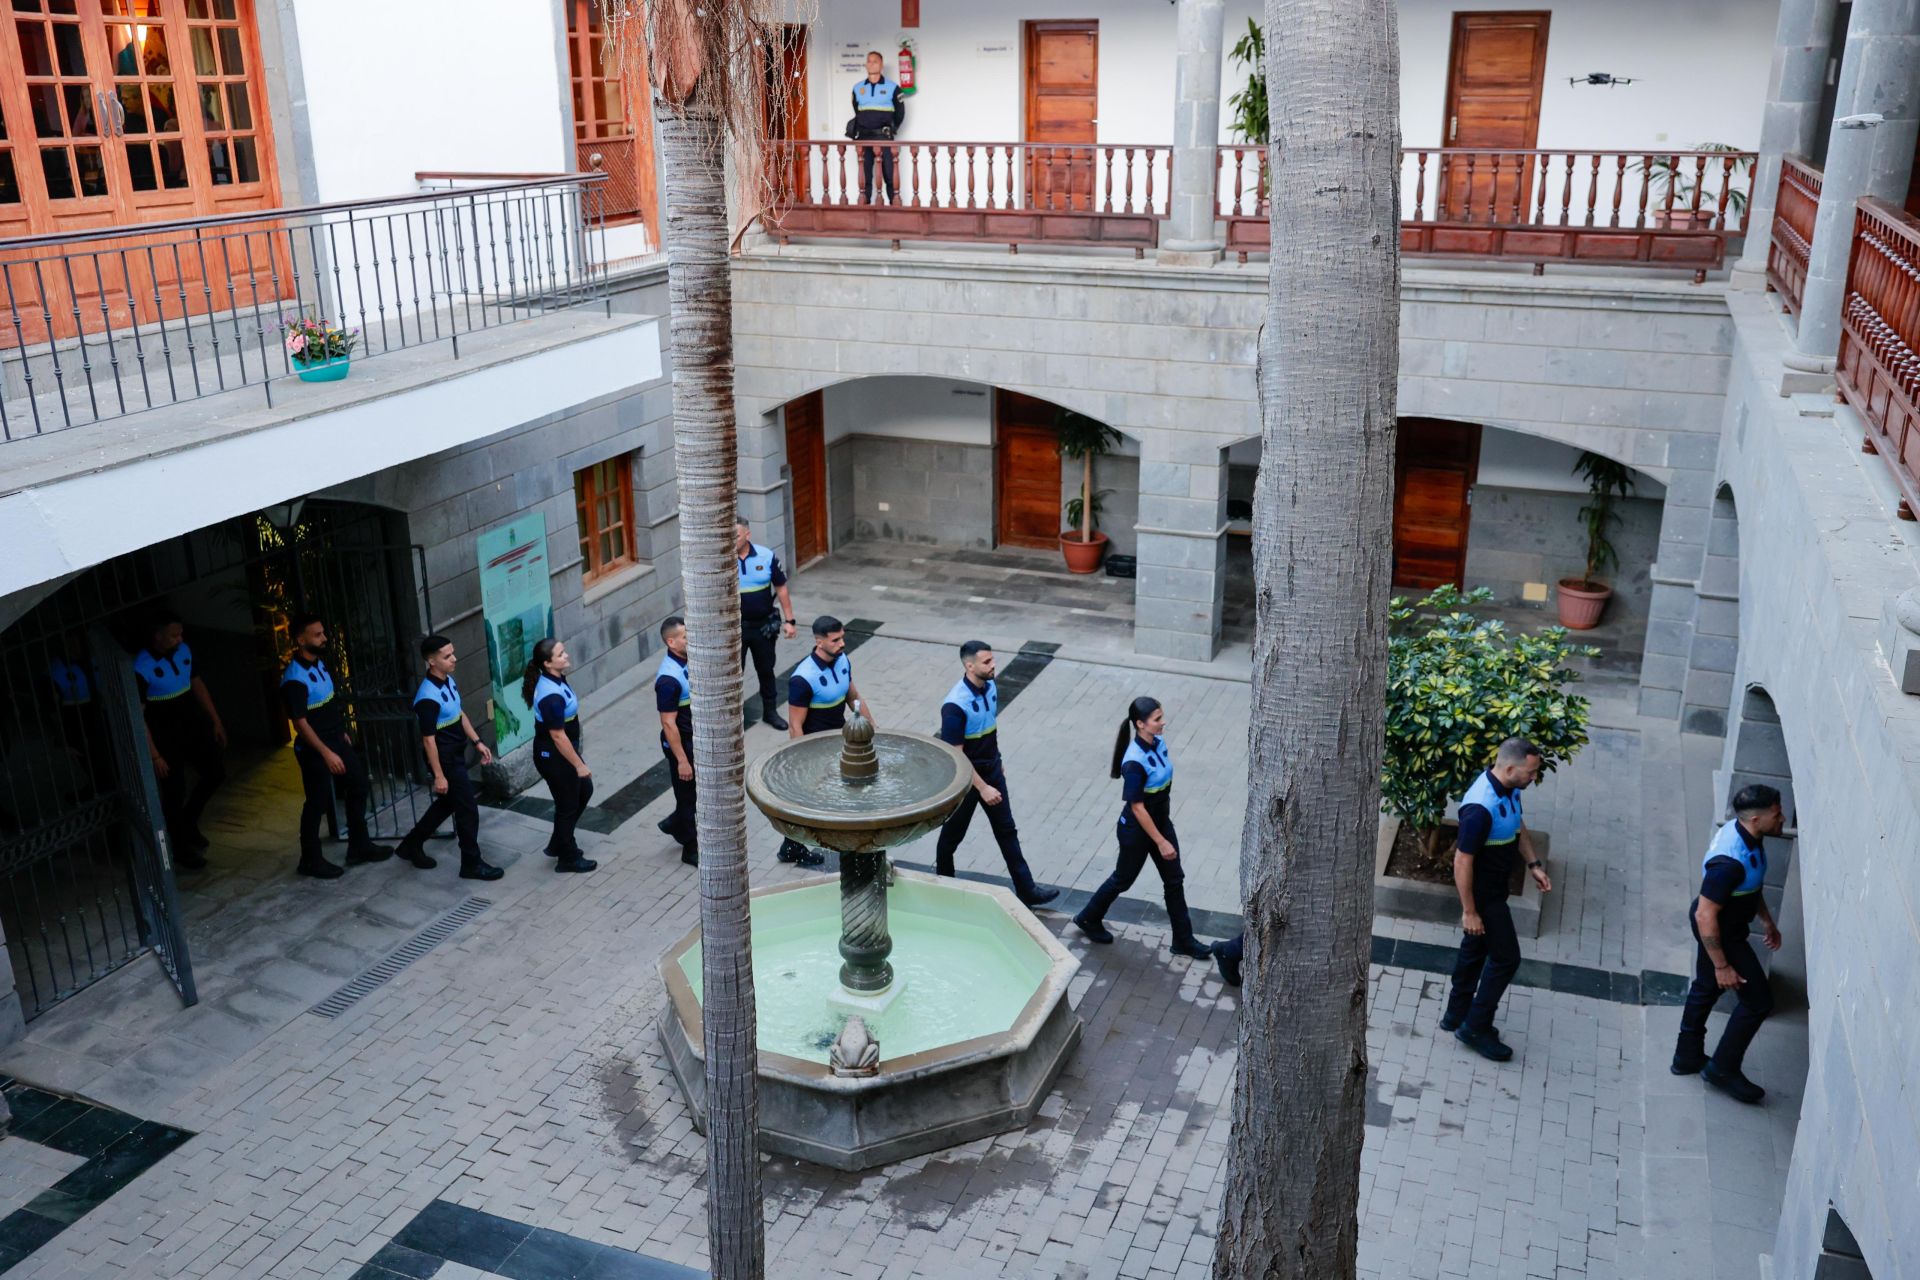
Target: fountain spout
point(859, 763)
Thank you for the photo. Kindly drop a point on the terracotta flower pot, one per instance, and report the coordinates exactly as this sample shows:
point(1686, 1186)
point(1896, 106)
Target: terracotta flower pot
point(1581, 603)
point(1083, 557)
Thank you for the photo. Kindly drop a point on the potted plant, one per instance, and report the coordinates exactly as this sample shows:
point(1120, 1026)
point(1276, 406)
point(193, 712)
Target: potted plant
point(1083, 439)
point(1674, 176)
point(1458, 686)
point(319, 351)
point(1582, 600)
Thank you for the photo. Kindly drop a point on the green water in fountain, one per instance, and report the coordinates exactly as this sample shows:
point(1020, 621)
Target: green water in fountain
point(968, 970)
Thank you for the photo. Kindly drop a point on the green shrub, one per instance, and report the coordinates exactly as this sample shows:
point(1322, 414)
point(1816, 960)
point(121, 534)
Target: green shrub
point(1457, 686)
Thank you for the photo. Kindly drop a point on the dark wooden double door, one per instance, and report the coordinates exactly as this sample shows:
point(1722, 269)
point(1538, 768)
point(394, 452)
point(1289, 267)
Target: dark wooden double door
point(1435, 466)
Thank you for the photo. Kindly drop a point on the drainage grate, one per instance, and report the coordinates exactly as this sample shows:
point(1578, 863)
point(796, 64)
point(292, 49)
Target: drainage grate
point(418, 945)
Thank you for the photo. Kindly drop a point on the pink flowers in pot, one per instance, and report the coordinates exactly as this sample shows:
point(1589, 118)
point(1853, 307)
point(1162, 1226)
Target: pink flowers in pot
point(311, 341)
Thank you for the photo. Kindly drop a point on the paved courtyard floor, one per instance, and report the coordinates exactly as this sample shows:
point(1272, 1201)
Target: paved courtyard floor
point(500, 1105)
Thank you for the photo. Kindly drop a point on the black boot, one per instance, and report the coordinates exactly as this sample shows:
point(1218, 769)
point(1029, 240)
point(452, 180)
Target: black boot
point(1093, 929)
point(572, 862)
point(475, 867)
point(1689, 1055)
point(775, 719)
point(1035, 896)
point(690, 855)
point(665, 826)
point(1229, 967)
point(1192, 948)
point(407, 851)
point(1485, 1043)
point(1732, 1083)
point(312, 864)
point(368, 852)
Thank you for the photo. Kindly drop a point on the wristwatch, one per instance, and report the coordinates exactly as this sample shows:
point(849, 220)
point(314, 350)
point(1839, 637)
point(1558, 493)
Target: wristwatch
point(1533, 866)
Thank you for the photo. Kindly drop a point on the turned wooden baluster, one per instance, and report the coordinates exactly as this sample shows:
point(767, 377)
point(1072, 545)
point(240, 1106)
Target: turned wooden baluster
point(1619, 188)
point(1239, 181)
point(1516, 209)
point(1726, 193)
point(1593, 190)
point(1699, 187)
point(1146, 199)
point(1566, 194)
point(1540, 182)
point(1419, 185)
point(1673, 180)
point(846, 188)
point(1646, 183)
point(1493, 191)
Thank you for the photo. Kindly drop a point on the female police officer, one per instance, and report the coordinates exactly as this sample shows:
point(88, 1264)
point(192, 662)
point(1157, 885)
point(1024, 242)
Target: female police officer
point(556, 749)
point(1145, 829)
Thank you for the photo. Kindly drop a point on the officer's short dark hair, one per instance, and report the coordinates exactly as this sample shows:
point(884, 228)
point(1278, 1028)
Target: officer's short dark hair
point(1755, 797)
point(432, 645)
point(875, 53)
point(972, 647)
point(826, 624)
point(1517, 751)
point(740, 522)
point(666, 628)
point(300, 622)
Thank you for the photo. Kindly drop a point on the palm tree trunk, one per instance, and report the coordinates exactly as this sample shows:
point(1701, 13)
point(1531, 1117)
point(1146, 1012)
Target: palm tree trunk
point(1322, 562)
point(700, 301)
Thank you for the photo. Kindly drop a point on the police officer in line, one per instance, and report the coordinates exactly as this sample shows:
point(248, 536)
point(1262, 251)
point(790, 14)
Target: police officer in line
point(1145, 830)
point(556, 749)
point(761, 624)
point(74, 679)
point(878, 113)
point(817, 696)
point(184, 732)
point(969, 719)
point(1493, 831)
point(445, 735)
point(316, 708)
point(1733, 874)
point(673, 697)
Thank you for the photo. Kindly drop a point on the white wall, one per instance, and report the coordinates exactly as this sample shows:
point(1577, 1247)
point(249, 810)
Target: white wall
point(1700, 68)
point(394, 88)
point(911, 409)
point(1516, 460)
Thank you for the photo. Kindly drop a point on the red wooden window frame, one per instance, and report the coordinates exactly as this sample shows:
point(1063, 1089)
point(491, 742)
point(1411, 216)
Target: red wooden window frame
point(612, 110)
point(603, 505)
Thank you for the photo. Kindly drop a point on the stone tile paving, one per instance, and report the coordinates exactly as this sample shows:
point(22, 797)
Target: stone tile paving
point(27, 1169)
point(515, 1069)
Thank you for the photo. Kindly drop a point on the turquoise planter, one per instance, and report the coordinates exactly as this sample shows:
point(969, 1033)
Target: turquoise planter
point(330, 370)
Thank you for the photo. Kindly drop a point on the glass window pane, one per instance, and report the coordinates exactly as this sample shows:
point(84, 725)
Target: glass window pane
point(212, 111)
point(140, 167)
point(153, 54)
point(3, 122)
point(45, 101)
point(26, 6)
point(134, 103)
point(196, 8)
point(165, 118)
point(93, 170)
point(62, 6)
point(240, 111)
point(607, 104)
point(231, 63)
point(34, 59)
point(619, 541)
point(224, 9)
point(173, 165)
point(59, 177)
point(218, 162)
point(80, 121)
point(203, 52)
point(246, 161)
point(120, 50)
point(9, 184)
point(72, 54)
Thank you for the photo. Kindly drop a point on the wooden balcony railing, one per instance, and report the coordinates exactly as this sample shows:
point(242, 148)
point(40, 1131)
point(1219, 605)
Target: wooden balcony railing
point(1879, 370)
point(1010, 193)
point(1794, 210)
point(1674, 209)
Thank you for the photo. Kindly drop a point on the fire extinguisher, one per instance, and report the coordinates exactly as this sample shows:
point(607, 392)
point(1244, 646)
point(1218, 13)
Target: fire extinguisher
point(906, 68)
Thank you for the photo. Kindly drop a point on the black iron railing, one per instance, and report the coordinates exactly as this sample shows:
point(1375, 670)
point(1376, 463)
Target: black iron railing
point(104, 323)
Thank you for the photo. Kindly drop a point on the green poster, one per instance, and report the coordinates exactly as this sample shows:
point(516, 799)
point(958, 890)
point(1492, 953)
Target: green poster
point(516, 600)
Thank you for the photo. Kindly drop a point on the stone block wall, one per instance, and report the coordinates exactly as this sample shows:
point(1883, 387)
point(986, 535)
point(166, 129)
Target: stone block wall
point(1819, 554)
point(934, 491)
point(1526, 535)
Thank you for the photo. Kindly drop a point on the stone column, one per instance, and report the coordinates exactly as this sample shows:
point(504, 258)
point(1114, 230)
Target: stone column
point(1880, 73)
point(1192, 238)
point(1791, 122)
point(1181, 549)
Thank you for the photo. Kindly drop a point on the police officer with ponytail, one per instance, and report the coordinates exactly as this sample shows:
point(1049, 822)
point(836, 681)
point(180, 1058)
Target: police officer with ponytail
point(556, 749)
point(1145, 830)
point(316, 707)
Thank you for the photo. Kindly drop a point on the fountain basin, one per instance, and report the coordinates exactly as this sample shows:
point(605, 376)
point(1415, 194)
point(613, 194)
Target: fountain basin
point(801, 789)
point(970, 1047)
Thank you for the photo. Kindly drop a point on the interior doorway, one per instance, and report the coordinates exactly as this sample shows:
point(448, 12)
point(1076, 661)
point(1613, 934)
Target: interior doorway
point(1494, 79)
point(807, 476)
point(784, 106)
point(1435, 465)
point(1063, 109)
point(1026, 464)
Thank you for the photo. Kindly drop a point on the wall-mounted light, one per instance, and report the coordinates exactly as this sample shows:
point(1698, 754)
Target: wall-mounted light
point(284, 515)
point(1600, 78)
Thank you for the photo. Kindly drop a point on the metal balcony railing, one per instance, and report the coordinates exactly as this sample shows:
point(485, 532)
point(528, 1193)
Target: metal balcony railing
point(100, 324)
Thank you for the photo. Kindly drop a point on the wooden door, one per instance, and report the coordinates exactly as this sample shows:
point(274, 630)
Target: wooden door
point(1027, 506)
point(1062, 107)
point(807, 476)
point(1435, 465)
point(613, 111)
point(1498, 65)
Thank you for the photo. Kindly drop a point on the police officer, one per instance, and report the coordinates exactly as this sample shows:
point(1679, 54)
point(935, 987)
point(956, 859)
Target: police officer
point(1145, 830)
point(817, 696)
point(1492, 830)
point(326, 756)
point(74, 679)
point(969, 719)
point(761, 624)
point(1732, 875)
point(878, 113)
point(556, 749)
point(673, 697)
point(183, 731)
point(445, 735)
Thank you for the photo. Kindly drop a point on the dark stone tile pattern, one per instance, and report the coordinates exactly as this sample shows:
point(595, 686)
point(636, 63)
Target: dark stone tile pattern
point(117, 1149)
point(444, 1232)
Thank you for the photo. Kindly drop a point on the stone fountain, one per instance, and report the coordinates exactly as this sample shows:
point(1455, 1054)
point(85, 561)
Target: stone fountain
point(946, 1015)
